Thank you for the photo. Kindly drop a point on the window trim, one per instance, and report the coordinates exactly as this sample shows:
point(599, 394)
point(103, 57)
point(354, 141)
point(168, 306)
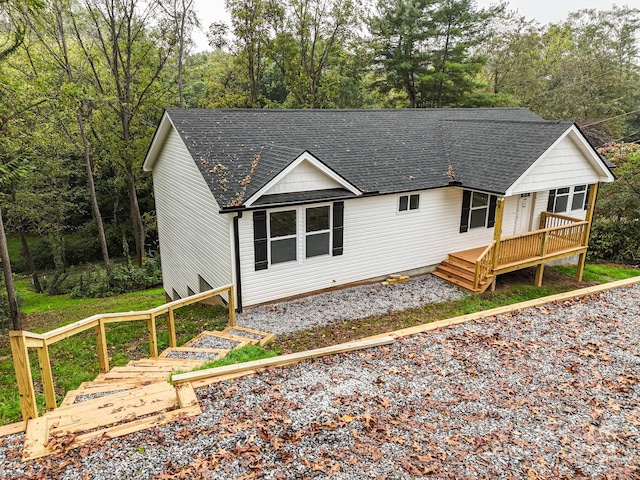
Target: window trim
point(467, 202)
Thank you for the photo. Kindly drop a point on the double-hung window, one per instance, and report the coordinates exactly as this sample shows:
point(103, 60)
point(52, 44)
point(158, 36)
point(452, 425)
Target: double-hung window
point(318, 231)
point(283, 236)
point(568, 199)
point(279, 235)
point(478, 210)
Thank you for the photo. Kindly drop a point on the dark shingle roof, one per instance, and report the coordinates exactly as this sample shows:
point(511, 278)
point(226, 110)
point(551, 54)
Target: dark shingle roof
point(238, 151)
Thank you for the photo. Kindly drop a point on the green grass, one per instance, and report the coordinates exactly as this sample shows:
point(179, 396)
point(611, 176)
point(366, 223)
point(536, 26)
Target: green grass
point(241, 355)
point(600, 273)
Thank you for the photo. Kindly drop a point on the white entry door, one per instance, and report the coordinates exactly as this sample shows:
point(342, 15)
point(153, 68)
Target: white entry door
point(524, 211)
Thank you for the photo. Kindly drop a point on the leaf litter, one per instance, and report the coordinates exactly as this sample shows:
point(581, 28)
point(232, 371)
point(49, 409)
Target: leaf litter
point(544, 393)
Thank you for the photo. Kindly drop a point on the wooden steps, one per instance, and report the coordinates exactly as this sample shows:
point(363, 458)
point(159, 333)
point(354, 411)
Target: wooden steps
point(461, 271)
point(130, 398)
point(118, 414)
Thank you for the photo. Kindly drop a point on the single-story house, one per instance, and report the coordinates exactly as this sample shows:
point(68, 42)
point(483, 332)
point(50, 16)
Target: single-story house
point(282, 203)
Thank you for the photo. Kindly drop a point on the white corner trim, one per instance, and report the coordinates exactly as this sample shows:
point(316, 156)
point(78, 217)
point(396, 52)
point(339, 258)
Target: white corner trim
point(158, 140)
point(584, 146)
point(304, 156)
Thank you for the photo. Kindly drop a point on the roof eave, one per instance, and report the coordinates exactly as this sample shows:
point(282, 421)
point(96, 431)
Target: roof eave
point(153, 151)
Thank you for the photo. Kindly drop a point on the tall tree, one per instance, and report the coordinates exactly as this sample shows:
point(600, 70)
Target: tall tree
point(9, 173)
point(54, 39)
point(424, 48)
point(135, 58)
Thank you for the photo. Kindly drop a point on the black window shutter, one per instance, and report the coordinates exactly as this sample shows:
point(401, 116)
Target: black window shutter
point(586, 198)
point(552, 198)
point(260, 239)
point(466, 207)
point(338, 228)
point(493, 200)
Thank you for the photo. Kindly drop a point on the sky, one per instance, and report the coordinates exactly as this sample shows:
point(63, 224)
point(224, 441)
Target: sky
point(544, 11)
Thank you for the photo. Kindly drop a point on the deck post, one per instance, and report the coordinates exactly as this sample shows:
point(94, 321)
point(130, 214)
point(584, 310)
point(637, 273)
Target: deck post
point(22, 366)
point(232, 306)
point(47, 376)
point(593, 192)
point(101, 346)
point(497, 231)
point(171, 327)
point(153, 336)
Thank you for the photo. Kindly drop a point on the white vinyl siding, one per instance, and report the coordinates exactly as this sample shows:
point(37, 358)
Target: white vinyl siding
point(377, 242)
point(304, 177)
point(194, 237)
point(565, 164)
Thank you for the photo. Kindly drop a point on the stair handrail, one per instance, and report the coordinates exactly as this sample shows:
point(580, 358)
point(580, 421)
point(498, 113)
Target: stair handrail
point(483, 265)
point(22, 340)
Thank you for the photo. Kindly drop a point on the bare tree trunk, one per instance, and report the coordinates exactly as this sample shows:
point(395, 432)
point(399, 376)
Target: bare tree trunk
point(26, 250)
point(95, 208)
point(139, 233)
point(14, 312)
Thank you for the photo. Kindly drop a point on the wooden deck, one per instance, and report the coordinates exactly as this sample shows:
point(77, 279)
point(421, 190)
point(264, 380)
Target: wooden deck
point(558, 237)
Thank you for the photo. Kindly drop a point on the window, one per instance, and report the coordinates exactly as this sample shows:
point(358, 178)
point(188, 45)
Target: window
point(276, 237)
point(409, 202)
point(318, 233)
point(579, 197)
point(568, 199)
point(282, 236)
point(478, 210)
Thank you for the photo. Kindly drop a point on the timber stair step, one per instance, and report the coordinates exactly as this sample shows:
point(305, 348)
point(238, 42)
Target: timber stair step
point(461, 272)
point(108, 417)
point(132, 397)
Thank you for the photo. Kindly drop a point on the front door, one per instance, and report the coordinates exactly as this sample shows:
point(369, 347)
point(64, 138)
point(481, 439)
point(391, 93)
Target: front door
point(524, 212)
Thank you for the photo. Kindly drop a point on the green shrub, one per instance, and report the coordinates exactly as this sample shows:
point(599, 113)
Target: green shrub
point(96, 283)
point(615, 241)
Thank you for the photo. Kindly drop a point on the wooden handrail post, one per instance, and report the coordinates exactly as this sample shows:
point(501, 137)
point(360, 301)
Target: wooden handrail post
point(47, 377)
point(543, 220)
point(22, 367)
point(171, 328)
point(153, 336)
point(101, 347)
point(543, 244)
point(497, 232)
point(232, 306)
point(590, 210)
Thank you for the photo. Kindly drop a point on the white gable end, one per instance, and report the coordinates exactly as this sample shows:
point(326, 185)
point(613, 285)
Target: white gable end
point(303, 178)
point(568, 162)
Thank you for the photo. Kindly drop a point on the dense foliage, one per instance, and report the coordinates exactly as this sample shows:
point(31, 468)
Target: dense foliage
point(84, 82)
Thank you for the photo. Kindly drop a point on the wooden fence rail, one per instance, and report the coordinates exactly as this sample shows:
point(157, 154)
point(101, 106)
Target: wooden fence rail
point(22, 341)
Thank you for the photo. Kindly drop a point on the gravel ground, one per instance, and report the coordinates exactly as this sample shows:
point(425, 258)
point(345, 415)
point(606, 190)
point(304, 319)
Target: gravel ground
point(348, 304)
point(212, 341)
point(208, 356)
point(242, 333)
point(549, 392)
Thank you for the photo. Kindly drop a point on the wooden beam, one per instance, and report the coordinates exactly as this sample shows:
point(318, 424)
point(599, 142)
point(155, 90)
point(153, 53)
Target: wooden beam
point(153, 336)
point(497, 231)
point(232, 306)
point(13, 428)
point(288, 359)
point(101, 347)
point(24, 379)
point(47, 377)
point(580, 270)
point(427, 327)
point(539, 274)
point(171, 328)
point(593, 193)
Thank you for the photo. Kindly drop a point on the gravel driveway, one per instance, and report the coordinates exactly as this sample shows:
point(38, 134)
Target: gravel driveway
point(549, 392)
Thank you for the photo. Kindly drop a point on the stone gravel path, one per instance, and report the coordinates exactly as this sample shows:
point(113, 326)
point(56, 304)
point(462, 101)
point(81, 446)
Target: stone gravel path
point(348, 304)
point(549, 392)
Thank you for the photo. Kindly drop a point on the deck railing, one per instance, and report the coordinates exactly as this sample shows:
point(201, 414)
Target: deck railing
point(541, 243)
point(557, 234)
point(21, 341)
